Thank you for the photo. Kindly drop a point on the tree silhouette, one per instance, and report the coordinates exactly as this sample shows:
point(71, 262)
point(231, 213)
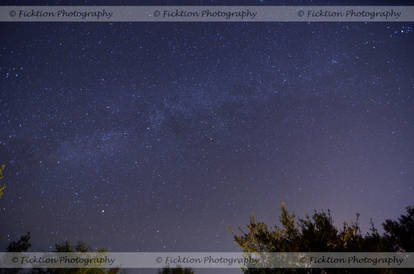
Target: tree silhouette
point(23, 245)
point(401, 233)
point(318, 234)
point(81, 247)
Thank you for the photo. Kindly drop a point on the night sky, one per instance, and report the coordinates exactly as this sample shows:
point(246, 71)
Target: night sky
point(158, 136)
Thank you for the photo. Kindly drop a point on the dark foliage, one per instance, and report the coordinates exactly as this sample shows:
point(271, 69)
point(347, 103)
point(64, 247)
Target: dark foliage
point(318, 234)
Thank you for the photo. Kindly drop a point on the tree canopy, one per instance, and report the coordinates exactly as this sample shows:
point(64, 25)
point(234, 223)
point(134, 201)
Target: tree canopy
point(317, 233)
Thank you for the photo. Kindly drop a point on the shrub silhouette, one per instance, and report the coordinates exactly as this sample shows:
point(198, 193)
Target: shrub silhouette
point(317, 233)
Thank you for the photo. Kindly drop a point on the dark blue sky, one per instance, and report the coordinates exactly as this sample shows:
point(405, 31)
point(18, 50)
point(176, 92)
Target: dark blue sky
point(158, 136)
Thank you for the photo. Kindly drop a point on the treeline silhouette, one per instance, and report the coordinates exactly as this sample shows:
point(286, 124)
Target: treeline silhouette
point(315, 233)
point(24, 244)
